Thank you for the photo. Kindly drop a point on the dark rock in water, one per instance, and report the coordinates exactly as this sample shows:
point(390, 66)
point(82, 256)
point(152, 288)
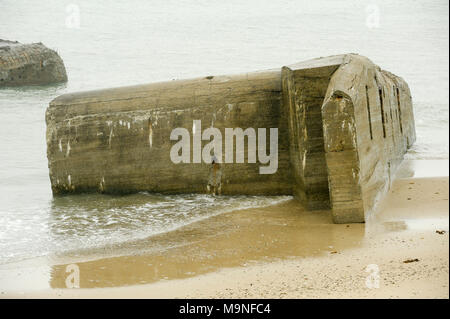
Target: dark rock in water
point(29, 64)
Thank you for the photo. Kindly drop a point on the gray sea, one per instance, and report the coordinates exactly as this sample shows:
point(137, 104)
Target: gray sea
point(116, 43)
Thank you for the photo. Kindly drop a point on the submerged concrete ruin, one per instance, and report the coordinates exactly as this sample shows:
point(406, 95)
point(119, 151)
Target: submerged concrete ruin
point(29, 64)
point(343, 128)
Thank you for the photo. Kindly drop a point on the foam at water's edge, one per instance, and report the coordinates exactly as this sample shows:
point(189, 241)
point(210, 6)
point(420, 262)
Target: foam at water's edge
point(75, 226)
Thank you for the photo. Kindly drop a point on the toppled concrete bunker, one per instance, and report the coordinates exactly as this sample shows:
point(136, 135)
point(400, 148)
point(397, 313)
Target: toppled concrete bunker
point(343, 128)
point(29, 64)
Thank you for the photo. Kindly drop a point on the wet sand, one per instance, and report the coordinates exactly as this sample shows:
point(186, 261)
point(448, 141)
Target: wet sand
point(279, 251)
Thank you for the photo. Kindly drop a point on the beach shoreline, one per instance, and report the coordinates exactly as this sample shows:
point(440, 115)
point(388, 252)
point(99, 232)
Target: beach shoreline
point(281, 251)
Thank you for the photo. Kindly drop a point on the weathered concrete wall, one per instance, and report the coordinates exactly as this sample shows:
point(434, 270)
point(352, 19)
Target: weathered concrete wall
point(118, 140)
point(304, 87)
point(349, 125)
point(340, 141)
point(28, 64)
point(368, 126)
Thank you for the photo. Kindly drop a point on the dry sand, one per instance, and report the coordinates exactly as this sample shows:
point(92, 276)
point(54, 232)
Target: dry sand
point(281, 251)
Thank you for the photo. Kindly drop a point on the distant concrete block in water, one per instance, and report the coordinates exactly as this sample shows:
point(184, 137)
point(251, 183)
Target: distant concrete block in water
point(343, 128)
point(29, 64)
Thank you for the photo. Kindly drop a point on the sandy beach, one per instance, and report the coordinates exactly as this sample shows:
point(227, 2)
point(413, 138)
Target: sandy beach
point(280, 251)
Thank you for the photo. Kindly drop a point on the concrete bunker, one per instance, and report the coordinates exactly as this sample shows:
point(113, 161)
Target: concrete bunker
point(343, 128)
